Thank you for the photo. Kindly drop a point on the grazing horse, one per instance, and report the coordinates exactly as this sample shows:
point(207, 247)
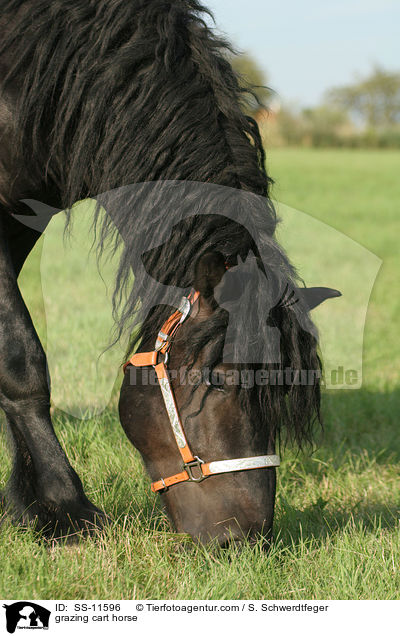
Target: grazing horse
point(96, 95)
point(210, 409)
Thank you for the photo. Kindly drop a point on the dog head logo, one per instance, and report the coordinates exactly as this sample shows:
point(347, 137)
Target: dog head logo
point(26, 615)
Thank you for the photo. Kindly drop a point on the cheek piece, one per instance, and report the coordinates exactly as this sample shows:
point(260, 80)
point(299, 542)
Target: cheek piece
point(194, 468)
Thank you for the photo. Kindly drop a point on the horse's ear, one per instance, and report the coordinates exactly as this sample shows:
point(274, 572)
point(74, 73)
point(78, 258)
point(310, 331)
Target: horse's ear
point(208, 271)
point(314, 296)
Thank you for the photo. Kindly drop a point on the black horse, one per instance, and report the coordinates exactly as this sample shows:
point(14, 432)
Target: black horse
point(215, 469)
point(100, 94)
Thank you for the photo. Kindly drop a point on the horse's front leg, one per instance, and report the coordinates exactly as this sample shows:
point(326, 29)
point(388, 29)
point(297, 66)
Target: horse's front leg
point(43, 488)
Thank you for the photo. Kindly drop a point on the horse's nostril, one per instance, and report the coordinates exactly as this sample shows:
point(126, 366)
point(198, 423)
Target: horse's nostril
point(229, 542)
point(238, 543)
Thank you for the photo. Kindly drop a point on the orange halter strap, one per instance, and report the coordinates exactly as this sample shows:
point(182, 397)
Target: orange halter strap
point(194, 468)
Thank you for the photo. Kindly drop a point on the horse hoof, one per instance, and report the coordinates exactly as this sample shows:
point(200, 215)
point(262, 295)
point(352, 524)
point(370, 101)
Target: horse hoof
point(55, 522)
point(87, 520)
point(72, 525)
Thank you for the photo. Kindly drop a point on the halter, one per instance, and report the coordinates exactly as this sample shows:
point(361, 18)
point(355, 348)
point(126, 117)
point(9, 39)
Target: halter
point(194, 468)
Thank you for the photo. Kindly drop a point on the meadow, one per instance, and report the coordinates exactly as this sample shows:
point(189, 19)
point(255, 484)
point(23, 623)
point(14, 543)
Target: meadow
point(337, 526)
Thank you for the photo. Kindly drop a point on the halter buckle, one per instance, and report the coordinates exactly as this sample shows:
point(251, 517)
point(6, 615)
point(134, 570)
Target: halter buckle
point(162, 339)
point(195, 463)
point(184, 307)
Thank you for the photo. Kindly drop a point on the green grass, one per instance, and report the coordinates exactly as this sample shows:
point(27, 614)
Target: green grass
point(337, 511)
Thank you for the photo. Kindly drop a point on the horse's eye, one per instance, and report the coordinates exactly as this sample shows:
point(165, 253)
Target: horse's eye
point(215, 380)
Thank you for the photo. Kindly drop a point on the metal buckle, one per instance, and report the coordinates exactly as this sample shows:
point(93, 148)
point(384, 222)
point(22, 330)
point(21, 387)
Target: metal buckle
point(184, 307)
point(165, 359)
point(163, 337)
point(165, 487)
point(196, 463)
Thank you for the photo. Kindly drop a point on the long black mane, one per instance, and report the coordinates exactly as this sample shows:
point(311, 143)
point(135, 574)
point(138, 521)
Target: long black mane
point(135, 90)
point(111, 93)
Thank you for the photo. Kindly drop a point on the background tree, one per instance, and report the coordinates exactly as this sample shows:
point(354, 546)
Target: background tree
point(374, 100)
point(324, 124)
point(252, 78)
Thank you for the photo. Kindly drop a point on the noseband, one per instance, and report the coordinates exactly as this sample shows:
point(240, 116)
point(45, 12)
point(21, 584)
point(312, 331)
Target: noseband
point(194, 468)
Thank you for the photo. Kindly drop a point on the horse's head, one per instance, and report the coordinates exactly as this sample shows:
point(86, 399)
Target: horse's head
point(227, 411)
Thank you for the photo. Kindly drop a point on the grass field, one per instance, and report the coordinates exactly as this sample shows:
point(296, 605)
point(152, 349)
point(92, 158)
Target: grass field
point(337, 527)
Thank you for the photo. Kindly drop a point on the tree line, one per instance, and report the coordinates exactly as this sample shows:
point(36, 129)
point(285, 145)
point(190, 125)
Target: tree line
point(365, 113)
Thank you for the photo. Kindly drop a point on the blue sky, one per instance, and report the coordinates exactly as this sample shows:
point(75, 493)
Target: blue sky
point(308, 46)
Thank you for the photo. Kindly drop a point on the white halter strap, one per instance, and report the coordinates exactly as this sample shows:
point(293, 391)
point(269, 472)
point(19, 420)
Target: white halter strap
point(194, 468)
